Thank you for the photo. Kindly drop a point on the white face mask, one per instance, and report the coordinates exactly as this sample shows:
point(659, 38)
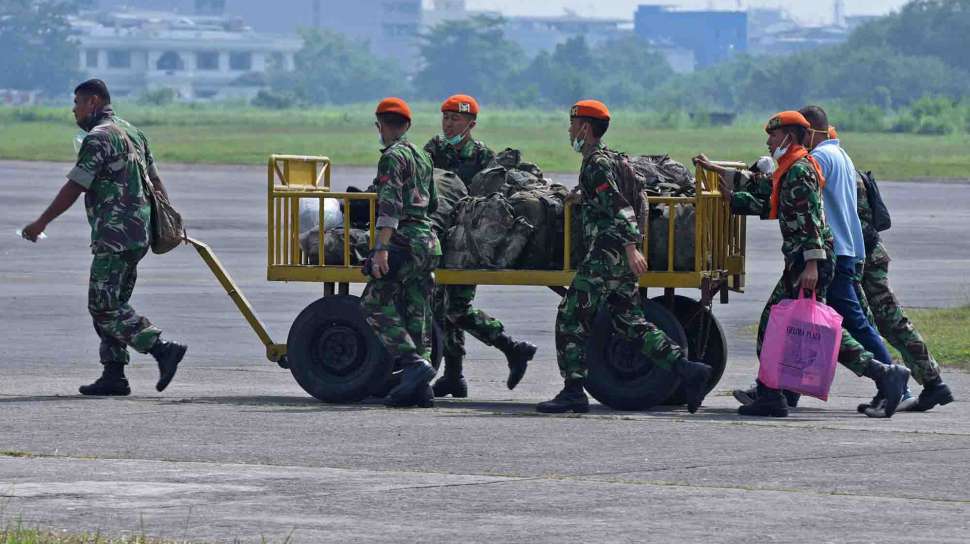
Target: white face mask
point(79, 139)
point(780, 151)
point(578, 144)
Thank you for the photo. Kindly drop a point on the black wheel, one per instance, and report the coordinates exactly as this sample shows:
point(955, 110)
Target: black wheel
point(619, 375)
point(384, 386)
point(332, 351)
point(705, 340)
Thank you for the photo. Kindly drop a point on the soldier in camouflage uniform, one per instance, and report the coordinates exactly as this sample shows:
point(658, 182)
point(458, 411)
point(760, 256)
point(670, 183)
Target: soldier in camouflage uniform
point(112, 166)
point(608, 275)
point(455, 150)
point(397, 299)
point(793, 196)
point(887, 314)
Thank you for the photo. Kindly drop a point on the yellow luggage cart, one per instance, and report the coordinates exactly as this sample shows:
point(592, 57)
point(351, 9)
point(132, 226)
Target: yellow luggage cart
point(335, 357)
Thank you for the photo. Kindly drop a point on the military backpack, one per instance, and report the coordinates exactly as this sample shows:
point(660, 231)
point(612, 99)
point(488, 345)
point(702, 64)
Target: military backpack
point(880, 212)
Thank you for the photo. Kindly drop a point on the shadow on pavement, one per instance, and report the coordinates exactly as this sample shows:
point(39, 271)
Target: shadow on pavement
point(448, 407)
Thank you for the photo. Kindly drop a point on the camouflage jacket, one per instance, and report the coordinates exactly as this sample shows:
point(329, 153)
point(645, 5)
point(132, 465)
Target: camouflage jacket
point(752, 193)
point(805, 236)
point(608, 219)
point(406, 195)
point(466, 162)
point(110, 167)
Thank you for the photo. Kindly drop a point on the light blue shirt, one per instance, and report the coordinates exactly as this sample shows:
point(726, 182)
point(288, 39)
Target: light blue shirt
point(839, 198)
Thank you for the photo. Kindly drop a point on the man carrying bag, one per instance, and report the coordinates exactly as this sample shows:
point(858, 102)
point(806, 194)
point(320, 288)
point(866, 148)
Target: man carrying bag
point(116, 173)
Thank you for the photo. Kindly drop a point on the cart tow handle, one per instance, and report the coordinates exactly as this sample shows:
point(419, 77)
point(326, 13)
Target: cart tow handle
point(274, 352)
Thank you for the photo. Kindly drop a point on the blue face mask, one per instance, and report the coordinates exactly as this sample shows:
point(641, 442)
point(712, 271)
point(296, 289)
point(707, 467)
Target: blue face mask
point(454, 140)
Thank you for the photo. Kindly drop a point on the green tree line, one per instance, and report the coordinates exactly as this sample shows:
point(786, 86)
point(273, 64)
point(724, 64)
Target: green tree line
point(906, 71)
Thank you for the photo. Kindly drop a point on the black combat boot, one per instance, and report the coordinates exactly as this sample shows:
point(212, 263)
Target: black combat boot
point(934, 392)
point(168, 355)
point(518, 354)
point(693, 378)
point(452, 382)
point(112, 382)
point(792, 398)
point(891, 385)
point(767, 402)
point(906, 404)
point(415, 377)
point(424, 398)
point(572, 398)
point(748, 396)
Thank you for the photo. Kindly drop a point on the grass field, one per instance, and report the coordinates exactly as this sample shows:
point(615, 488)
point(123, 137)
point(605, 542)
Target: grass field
point(945, 330)
point(16, 534)
point(238, 135)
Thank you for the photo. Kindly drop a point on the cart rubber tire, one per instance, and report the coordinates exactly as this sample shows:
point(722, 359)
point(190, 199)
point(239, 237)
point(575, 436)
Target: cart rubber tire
point(332, 351)
point(619, 376)
point(385, 384)
point(692, 316)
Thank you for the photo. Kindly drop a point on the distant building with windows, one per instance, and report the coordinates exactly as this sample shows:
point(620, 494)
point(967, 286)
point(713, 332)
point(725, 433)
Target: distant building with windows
point(773, 31)
point(712, 36)
point(200, 57)
point(390, 27)
point(536, 34)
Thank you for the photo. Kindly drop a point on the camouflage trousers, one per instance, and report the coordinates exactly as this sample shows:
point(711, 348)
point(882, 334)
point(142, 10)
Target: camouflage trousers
point(883, 308)
point(454, 312)
point(399, 309)
point(604, 278)
point(852, 354)
point(112, 281)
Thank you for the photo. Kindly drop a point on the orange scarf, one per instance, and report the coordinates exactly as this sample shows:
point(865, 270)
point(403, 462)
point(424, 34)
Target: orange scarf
point(794, 153)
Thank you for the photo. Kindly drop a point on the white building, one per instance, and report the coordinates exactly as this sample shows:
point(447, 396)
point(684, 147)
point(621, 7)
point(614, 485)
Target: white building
point(198, 57)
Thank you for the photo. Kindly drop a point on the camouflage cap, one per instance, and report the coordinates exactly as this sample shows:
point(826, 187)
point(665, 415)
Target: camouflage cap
point(787, 119)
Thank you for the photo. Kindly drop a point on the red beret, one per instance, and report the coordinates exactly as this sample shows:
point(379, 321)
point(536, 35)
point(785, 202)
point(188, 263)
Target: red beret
point(394, 105)
point(787, 119)
point(590, 108)
point(460, 103)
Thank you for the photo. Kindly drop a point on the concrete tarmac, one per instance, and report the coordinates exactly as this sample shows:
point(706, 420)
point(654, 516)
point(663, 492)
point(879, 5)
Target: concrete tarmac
point(234, 449)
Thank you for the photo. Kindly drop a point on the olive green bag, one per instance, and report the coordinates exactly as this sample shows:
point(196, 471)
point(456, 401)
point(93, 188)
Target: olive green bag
point(167, 230)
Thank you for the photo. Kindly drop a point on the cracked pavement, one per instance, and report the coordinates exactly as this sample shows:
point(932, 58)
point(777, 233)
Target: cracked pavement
point(234, 449)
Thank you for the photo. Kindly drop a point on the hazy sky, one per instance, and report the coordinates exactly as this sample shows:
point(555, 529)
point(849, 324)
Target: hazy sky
point(806, 11)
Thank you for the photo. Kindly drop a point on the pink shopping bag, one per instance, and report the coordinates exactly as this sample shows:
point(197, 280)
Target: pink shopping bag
point(801, 347)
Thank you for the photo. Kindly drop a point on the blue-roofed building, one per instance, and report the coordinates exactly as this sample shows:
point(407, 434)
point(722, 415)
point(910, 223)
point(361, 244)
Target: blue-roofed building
point(713, 36)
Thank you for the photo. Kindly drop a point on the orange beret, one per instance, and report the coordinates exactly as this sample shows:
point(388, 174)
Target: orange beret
point(394, 105)
point(787, 119)
point(460, 103)
point(590, 108)
point(833, 135)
